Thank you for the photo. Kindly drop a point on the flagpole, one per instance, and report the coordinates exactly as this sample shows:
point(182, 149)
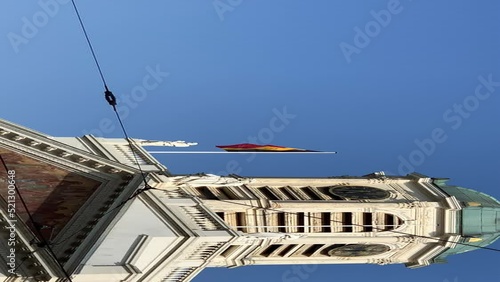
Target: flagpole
point(240, 152)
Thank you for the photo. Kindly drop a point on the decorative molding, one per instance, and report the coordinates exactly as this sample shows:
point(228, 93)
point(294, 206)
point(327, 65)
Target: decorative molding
point(406, 239)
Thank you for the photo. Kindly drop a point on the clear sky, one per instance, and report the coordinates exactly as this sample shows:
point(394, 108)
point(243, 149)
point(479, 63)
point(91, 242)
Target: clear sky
point(392, 85)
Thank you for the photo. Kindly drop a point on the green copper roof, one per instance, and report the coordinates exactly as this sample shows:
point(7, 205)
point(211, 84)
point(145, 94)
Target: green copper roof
point(479, 219)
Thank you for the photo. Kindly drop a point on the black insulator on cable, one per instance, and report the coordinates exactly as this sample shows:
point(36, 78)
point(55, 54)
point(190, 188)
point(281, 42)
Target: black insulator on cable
point(110, 97)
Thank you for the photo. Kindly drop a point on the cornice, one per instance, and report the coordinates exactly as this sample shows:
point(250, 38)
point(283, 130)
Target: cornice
point(42, 147)
point(31, 260)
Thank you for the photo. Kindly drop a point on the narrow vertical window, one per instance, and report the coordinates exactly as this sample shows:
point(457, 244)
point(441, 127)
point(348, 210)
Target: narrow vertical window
point(367, 222)
point(326, 220)
point(281, 222)
point(347, 222)
point(389, 222)
point(241, 221)
point(300, 222)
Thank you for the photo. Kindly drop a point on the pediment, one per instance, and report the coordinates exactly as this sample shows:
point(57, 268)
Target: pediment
point(53, 195)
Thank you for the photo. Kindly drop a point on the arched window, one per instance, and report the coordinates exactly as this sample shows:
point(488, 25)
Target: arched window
point(356, 250)
point(358, 193)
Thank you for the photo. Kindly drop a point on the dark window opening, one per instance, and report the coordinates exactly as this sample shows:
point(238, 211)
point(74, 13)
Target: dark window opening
point(347, 222)
point(288, 194)
point(300, 222)
point(286, 250)
point(241, 221)
point(310, 193)
point(269, 250)
point(227, 194)
point(281, 222)
point(270, 195)
point(310, 251)
point(220, 214)
point(389, 222)
point(326, 220)
point(367, 222)
point(206, 193)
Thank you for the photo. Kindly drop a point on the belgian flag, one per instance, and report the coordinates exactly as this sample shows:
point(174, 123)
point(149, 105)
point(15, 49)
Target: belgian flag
point(247, 147)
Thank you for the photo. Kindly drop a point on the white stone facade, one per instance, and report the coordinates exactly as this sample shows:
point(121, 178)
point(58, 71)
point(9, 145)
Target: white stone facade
point(186, 223)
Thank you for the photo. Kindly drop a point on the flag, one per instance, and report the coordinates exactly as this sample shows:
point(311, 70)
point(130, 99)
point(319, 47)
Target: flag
point(247, 147)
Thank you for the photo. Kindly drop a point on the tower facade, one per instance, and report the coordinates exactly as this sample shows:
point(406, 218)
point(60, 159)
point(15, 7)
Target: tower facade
point(376, 219)
point(90, 214)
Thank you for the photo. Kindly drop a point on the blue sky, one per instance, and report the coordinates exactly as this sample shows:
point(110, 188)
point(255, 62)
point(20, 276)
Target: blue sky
point(370, 79)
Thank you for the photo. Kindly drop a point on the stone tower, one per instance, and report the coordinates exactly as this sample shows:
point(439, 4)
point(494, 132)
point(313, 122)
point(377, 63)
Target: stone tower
point(83, 197)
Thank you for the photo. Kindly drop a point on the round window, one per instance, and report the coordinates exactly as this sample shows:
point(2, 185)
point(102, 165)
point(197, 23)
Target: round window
point(359, 193)
point(358, 250)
